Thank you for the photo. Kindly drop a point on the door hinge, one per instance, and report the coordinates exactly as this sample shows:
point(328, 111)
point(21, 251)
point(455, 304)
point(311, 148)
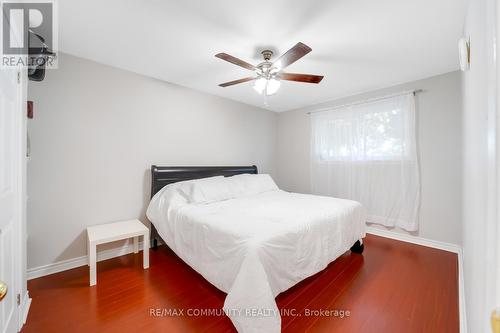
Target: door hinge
point(18, 77)
point(18, 299)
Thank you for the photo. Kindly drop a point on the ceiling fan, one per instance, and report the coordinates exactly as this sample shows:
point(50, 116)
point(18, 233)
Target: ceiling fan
point(269, 74)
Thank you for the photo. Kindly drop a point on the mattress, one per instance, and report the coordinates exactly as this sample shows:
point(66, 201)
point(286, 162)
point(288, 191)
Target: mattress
point(257, 246)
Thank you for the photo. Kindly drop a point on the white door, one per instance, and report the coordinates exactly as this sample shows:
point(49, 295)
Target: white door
point(11, 113)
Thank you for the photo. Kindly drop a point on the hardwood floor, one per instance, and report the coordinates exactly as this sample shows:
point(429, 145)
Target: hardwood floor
point(392, 287)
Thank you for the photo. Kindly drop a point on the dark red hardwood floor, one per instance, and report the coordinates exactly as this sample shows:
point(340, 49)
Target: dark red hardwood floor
point(392, 287)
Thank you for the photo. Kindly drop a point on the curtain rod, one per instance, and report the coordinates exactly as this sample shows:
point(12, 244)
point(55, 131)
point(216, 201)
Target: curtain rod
point(374, 99)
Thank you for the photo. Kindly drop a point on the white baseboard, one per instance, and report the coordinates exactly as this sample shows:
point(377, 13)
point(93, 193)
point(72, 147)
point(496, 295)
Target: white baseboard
point(24, 308)
point(437, 245)
point(64, 265)
point(461, 293)
point(414, 239)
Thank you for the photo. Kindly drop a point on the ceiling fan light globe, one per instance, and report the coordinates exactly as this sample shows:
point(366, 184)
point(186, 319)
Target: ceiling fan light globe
point(259, 85)
point(258, 90)
point(272, 86)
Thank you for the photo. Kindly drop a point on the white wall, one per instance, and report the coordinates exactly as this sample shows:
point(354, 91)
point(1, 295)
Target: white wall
point(479, 218)
point(96, 132)
point(439, 122)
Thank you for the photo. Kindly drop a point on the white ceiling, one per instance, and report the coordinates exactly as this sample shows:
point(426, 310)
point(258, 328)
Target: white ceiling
point(358, 45)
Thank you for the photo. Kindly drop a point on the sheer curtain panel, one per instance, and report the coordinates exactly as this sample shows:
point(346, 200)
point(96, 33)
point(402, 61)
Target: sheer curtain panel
point(368, 152)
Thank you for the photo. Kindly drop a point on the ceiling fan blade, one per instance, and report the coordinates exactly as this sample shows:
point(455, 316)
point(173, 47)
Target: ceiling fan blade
point(236, 61)
point(231, 83)
point(292, 55)
point(309, 78)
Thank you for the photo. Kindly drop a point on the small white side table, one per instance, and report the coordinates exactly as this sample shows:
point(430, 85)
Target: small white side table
point(110, 232)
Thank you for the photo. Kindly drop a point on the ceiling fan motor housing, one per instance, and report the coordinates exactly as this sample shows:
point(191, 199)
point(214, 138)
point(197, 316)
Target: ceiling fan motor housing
point(267, 54)
point(266, 68)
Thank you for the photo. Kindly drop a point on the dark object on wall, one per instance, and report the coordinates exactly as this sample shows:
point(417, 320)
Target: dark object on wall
point(37, 74)
point(39, 55)
point(30, 109)
point(162, 176)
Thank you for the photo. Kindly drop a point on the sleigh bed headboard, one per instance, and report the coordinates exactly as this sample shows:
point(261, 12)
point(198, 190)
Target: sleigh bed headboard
point(164, 175)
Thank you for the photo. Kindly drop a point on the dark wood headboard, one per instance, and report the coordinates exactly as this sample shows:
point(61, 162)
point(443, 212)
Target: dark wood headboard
point(162, 176)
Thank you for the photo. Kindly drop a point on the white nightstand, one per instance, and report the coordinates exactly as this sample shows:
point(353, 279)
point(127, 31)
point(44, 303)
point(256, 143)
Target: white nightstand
point(110, 232)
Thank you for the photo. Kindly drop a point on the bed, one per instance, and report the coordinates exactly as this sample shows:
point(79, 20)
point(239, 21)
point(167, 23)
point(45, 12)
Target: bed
point(249, 239)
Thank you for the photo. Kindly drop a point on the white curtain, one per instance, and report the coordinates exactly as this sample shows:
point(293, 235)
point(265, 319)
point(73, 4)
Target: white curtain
point(368, 152)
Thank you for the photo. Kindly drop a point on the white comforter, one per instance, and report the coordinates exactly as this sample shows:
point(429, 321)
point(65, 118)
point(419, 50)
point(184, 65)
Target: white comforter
point(254, 247)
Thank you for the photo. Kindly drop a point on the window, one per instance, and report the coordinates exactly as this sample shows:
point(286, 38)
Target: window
point(367, 152)
point(369, 132)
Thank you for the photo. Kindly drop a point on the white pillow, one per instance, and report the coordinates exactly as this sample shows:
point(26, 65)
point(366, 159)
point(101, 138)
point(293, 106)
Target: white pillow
point(171, 196)
point(249, 184)
point(206, 190)
point(164, 200)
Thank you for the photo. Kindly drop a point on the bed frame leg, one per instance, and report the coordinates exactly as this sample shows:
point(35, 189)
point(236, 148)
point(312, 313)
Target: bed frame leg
point(155, 244)
point(358, 247)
